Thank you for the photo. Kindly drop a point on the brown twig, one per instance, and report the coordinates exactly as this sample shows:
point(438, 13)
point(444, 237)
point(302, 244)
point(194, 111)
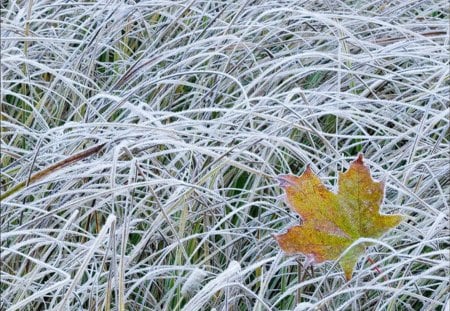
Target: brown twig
point(52, 168)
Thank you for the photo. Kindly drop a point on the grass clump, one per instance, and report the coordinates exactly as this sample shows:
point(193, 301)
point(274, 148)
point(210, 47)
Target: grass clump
point(197, 106)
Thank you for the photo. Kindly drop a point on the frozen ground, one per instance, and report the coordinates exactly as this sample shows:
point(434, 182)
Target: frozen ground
point(200, 104)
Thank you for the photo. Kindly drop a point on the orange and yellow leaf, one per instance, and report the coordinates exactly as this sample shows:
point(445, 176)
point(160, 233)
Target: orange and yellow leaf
point(332, 222)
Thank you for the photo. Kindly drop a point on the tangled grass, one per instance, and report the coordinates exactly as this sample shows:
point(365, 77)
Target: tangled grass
point(140, 141)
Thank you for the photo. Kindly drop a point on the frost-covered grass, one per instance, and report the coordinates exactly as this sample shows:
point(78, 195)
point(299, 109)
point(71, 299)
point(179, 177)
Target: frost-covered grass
point(200, 104)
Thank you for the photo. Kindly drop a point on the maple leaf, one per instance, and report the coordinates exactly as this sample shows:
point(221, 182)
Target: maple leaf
point(332, 222)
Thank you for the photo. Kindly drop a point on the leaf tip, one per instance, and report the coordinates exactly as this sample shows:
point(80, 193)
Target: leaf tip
point(308, 169)
point(348, 274)
point(307, 172)
point(279, 239)
point(285, 180)
point(360, 159)
point(276, 236)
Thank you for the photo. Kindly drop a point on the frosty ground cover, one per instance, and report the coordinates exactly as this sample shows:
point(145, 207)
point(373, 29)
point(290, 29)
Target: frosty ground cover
point(141, 143)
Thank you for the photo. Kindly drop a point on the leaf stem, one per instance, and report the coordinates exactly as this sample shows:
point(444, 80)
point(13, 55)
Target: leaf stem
point(378, 270)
